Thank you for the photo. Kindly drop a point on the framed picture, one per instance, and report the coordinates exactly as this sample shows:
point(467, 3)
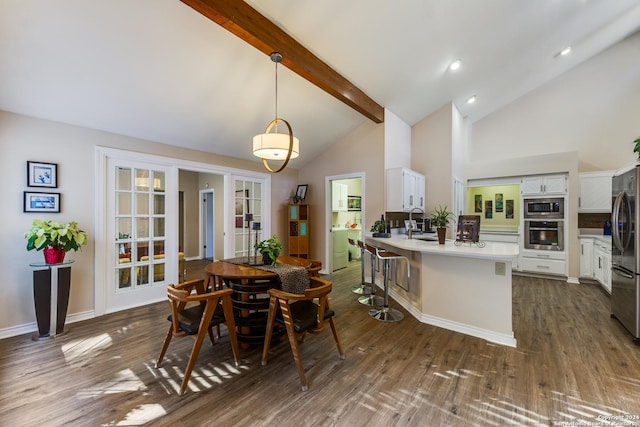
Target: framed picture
point(42, 174)
point(41, 202)
point(468, 228)
point(301, 192)
point(354, 203)
point(241, 197)
point(488, 209)
point(477, 203)
point(509, 209)
point(499, 197)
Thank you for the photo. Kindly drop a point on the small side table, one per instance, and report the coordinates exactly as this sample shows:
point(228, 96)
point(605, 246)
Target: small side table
point(51, 286)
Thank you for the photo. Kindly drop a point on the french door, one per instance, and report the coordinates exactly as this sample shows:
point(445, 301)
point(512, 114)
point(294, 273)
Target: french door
point(140, 233)
point(250, 220)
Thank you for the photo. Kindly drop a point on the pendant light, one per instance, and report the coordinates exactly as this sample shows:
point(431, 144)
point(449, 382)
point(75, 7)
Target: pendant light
point(276, 146)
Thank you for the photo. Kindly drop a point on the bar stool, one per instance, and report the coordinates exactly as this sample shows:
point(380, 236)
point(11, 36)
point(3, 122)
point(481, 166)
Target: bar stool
point(372, 300)
point(385, 313)
point(362, 288)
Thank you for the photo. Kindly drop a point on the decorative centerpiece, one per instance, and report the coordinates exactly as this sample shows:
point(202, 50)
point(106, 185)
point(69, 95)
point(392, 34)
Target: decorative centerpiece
point(270, 250)
point(440, 218)
point(55, 238)
point(379, 229)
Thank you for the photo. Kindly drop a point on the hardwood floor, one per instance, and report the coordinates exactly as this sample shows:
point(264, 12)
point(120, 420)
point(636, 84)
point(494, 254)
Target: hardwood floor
point(572, 364)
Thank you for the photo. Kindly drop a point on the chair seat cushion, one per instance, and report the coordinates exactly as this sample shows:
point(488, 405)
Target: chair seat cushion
point(189, 318)
point(304, 314)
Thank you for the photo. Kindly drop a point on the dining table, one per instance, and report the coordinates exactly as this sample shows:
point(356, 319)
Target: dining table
point(250, 281)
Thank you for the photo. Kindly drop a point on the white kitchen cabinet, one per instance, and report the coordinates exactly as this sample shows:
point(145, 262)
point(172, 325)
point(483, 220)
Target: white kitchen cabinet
point(339, 197)
point(340, 249)
point(544, 185)
point(595, 192)
point(602, 264)
point(545, 262)
point(586, 257)
point(405, 190)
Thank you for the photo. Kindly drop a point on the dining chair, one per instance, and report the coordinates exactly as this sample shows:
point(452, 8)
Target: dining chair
point(301, 313)
point(212, 309)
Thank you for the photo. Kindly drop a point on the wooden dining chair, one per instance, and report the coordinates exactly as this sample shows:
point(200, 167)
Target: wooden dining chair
point(212, 309)
point(301, 313)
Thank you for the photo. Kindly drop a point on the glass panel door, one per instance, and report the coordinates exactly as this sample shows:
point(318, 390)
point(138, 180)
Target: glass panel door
point(248, 220)
point(136, 222)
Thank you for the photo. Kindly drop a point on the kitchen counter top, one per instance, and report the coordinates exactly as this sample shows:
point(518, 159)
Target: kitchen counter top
point(463, 288)
point(491, 250)
point(594, 234)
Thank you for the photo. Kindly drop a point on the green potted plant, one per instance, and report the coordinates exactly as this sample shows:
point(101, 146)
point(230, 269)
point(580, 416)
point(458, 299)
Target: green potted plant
point(270, 250)
point(636, 147)
point(379, 229)
point(440, 218)
point(55, 238)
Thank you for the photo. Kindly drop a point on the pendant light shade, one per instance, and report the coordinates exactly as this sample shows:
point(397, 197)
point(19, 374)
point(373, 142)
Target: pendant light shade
point(273, 145)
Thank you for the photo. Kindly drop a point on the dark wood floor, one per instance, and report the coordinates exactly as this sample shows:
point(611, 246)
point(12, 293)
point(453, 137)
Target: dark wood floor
point(573, 364)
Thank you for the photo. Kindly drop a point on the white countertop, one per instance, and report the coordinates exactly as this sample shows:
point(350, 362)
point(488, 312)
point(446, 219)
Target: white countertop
point(492, 250)
point(594, 234)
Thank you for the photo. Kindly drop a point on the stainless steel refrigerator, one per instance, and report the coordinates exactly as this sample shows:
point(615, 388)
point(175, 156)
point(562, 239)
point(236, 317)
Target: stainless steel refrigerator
point(625, 267)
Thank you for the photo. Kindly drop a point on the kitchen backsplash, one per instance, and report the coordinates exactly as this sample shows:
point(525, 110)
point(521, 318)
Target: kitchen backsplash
point(592, 220)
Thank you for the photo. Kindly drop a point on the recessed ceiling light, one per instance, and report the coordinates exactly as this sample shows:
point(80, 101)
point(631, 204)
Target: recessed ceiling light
point(455, 65)
point(565, 51)
point(471, 100)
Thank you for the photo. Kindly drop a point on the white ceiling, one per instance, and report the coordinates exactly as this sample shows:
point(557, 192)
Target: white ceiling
point(158, 70)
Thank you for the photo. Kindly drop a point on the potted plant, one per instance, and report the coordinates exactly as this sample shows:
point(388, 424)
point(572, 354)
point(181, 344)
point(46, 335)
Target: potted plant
point(270, 250)
point(636, 147)
point(55, 238)
point(379, 229)
point(440, 218)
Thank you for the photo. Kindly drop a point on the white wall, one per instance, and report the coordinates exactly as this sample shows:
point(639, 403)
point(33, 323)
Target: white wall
point(397, 141)
point(592, 109)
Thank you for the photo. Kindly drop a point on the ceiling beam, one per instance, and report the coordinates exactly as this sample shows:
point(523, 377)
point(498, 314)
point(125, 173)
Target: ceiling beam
point(248, 24)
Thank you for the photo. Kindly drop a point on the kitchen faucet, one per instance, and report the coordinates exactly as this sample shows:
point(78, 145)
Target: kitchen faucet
point(410, 227)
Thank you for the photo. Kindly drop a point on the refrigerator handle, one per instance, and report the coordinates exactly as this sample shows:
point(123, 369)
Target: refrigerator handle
point(622, 272)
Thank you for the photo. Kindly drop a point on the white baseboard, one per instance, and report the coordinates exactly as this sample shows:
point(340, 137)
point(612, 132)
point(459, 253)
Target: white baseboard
point(28, 328)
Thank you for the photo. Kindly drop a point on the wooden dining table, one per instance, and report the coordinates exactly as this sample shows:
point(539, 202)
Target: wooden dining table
point(250, 285)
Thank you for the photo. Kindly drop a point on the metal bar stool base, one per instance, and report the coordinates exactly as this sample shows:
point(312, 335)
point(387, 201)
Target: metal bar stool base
point(364, 289)
point(371, 300)
point(386, 314)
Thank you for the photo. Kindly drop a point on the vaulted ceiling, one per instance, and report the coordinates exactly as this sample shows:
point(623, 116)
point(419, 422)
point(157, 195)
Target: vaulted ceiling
point(160, 70)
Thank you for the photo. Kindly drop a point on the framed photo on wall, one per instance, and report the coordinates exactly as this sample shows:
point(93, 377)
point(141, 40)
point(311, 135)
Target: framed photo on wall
point(42, 174)
point(41, 202)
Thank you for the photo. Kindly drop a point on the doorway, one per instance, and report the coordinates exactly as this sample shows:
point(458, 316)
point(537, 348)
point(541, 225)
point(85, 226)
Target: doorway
point(345, 217)
point(207, 225)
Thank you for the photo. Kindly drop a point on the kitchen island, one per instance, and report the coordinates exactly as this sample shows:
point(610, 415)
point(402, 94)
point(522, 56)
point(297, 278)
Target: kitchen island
point(462, 288)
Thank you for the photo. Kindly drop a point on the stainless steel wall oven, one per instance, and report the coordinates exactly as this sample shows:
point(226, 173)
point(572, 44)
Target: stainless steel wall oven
point(544, 235)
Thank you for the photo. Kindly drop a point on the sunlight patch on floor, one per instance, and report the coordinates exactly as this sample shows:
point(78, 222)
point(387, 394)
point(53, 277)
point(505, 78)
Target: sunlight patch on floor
point(141, 415)
point(80, 350)
point(125, 381)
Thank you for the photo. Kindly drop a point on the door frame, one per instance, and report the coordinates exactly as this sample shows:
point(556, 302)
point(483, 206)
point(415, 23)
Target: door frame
point(328, 244)
point(101, 248)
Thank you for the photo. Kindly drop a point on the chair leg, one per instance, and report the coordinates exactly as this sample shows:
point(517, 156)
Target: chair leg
point(334, 330)
point(231, 327)
point(267, 335)
point(293, 341)
point(202, 330)
point(165, 346)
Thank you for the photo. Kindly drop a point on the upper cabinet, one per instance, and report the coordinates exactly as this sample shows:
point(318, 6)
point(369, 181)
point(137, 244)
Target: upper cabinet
point(595, 192)
point(405, 190)
point(544, 185)
point(339, 197)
